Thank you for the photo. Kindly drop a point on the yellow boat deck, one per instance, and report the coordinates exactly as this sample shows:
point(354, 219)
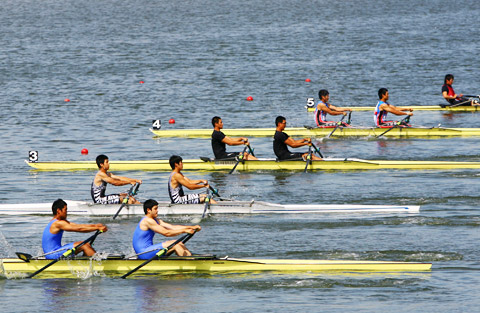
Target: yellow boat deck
point(16, 268)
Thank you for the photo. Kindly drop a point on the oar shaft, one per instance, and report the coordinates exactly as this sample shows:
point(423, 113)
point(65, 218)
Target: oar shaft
point(317, 150)
point(338, 125)
point(407, 119)
point(131, 193)
point(214, 191)
point(240, 158)
point(309, 158)
point(207, 204)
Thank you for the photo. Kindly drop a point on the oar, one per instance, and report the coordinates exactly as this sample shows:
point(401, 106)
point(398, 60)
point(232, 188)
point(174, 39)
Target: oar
point(207, 204)
point(240, 158)
point(309, 157)
point(317, 150)
point(67, 253)
point(131, 193)
point(458, 104)
point(338, 125)
point(27, 257)
point(158, 254)
point(214, 191)
point(472, 96)
point(405, 120)
point(349, 118)
point(250, 150)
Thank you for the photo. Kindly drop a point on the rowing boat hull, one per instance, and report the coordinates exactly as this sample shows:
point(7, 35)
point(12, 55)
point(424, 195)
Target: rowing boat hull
point(419, 108)
point(259, 165)
point(222, 207)
point(15, 268)
point(412, 132)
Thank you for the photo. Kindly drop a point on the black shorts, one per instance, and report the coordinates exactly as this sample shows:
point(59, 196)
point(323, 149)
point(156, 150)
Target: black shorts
point(292, 156)
point(229, 156)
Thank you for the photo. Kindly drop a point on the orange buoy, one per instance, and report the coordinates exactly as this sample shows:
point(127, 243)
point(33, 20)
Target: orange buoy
point(308, 80)
point(67, 100)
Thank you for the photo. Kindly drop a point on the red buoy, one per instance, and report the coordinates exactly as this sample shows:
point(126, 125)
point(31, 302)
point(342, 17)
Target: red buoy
point(249, 98)
point(141, 82)
point(67, 100)
point(84, 151)
point(308, 80)
point(171, 121)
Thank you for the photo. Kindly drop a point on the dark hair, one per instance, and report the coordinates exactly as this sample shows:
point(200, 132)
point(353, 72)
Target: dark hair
point(175, 159)
point(448, 77)
point(150, 203)
point(279, 120)
point(58, 204)
point(323, 93)
point(382, 92)
point(215, 120)
point(101, 159)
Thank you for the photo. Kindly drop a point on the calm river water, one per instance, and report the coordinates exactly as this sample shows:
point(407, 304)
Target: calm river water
point(203, 58)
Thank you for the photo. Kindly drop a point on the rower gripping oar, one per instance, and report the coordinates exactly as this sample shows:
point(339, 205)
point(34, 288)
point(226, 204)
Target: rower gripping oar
point(397, 125)
point(67, 253)
point(241, 157)
point(131, 193)
point(159, 253)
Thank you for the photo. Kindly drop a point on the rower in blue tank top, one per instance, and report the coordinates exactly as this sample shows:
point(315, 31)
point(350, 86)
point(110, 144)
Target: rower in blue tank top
point(383, 108)
point(53, 232)
point(324, 107)
point(151, 224)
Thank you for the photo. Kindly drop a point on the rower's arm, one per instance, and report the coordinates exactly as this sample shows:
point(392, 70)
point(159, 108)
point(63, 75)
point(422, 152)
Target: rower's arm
point(81, 228)
point(190, 184)
point(234, 141)
point(126, 179)
point(447, 97)
point(333, 110)
point(395, 110)
point(297, 143)
point(168, 230)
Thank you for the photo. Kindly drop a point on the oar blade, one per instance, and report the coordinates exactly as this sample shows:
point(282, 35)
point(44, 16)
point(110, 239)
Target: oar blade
point(24, 256)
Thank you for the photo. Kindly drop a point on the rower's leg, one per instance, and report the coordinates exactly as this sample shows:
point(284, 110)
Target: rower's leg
point(86, 249)
point(249, 157)
point(132, 200)
point(180, 249)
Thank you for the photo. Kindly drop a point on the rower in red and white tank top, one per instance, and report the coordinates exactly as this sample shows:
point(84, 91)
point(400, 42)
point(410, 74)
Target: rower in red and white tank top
point(321, 116)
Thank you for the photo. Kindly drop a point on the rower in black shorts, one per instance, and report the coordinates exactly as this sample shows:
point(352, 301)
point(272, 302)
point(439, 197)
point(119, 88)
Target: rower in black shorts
point(219, 141)
point(281, 140)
